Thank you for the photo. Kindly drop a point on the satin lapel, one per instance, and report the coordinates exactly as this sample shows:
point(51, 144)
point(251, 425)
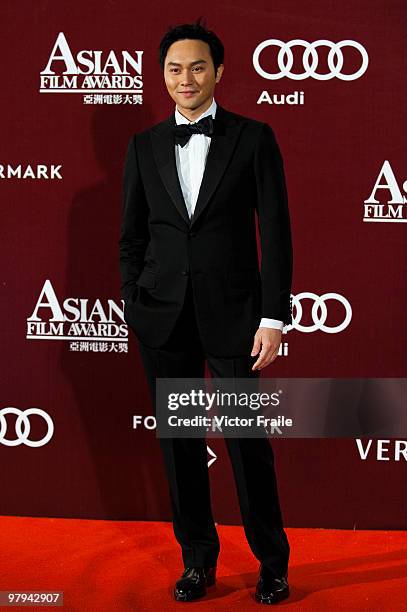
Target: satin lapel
point(223, 143)
point(162, 140)
point(220, 152)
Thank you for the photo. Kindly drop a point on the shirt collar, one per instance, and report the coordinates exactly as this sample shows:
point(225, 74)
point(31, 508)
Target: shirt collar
point(209, 111)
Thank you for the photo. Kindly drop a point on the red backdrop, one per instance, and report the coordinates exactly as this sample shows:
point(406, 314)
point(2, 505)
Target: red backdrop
point(65, 228)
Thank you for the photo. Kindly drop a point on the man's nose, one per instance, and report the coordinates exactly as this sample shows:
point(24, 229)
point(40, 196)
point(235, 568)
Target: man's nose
point(187, 78)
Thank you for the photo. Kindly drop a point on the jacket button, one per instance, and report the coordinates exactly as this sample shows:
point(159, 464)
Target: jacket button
point(184, 272)
point(192, 234)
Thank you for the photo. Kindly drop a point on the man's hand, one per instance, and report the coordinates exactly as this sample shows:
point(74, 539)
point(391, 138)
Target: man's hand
point(268, 340)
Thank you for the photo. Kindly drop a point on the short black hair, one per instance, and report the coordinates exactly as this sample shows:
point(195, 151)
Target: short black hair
point(196, 31)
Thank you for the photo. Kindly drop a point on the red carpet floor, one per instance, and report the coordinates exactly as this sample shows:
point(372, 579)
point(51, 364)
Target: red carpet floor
point(131, 566)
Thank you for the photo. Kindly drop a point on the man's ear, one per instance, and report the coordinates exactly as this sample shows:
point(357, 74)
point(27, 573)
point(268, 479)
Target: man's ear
point(219, 72)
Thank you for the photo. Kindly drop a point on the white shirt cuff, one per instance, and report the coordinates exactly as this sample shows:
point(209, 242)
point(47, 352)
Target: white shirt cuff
point(272, 323)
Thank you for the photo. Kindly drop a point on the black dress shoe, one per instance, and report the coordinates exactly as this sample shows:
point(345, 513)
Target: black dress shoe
point(271, 590)
point(193, 583)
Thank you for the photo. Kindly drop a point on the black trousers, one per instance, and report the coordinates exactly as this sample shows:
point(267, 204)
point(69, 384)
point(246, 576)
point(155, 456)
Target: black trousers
point(186, 466)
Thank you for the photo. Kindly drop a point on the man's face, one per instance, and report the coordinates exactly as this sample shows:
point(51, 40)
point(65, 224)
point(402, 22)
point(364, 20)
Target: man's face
point(189, 74)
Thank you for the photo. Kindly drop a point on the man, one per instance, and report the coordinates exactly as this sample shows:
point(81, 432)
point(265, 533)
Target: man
point(193, 291)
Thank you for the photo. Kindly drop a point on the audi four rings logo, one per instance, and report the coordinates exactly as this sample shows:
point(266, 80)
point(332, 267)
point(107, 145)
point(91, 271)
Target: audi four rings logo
point(319, 312)
point(23, 427)
point(285, 59)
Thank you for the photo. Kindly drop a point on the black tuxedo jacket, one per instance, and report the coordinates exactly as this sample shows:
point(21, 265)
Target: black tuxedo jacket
point(160, 246)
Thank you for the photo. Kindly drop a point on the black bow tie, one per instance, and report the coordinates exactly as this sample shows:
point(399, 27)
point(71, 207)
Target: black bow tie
point(184, 131)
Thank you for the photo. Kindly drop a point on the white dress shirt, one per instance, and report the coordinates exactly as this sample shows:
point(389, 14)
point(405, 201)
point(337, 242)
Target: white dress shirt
point(191, 160)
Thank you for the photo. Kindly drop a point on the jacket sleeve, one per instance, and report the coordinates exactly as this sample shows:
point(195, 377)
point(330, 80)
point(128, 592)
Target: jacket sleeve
point(274, 228)
point(134, 233)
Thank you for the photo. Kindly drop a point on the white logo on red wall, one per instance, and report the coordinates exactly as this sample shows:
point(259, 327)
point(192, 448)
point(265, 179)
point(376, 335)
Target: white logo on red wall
point(386, 203)
point(382, 450)
point(16, 431)
point(89, 325)
point(330, 312)
point(105, 77)
point(47, 172)
point(297, 60)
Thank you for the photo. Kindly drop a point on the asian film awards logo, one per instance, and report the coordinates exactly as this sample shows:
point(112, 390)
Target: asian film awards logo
point(386, 203)
point(90, 326)
point(104, 77)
